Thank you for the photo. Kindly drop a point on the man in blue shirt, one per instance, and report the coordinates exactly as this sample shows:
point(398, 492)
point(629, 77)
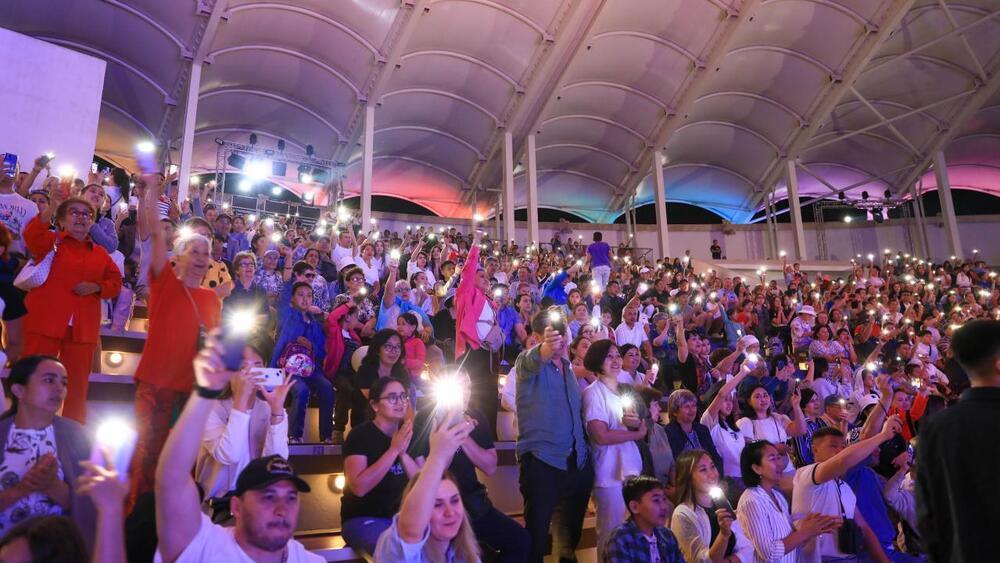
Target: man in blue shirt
point(555, 289)
point(556, 472)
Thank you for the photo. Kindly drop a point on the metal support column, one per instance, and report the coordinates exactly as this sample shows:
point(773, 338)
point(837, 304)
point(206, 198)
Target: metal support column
point(628, 219)
point(508, 187)
point(792, 183)
point(768, 231)
point(918, 208)
point(367, 157)
point(661, 205)
point(497, 234)
point(532, 192)
point(187, 140)
point(947, 206)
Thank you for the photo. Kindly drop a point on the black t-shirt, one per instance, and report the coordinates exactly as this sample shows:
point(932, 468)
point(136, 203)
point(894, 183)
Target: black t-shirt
point(383, 500)
point(473, 492)
point(444, 325)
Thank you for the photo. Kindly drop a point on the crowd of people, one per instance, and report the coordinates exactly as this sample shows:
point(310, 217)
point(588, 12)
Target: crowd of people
point(701, 416)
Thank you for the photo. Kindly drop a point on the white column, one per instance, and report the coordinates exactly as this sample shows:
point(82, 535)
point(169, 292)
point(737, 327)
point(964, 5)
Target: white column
point(661, 204)
point(792, 180)
point(532, 192)
point(367, 157)
point(508, 187)
point(497, 234)
point(628, 218)
point(947, 206)
point(187, 139)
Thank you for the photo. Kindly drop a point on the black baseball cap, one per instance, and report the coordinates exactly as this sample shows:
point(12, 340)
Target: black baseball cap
point(265, 471)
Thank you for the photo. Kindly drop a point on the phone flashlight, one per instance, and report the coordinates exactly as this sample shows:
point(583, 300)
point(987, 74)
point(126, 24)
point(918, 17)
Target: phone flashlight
point(719, 499)
point(394, 254)
point(235, 332)
point(118, 438)
point(556, 321)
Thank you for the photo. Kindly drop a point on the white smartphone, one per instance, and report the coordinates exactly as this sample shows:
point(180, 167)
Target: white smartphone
point(268, 378)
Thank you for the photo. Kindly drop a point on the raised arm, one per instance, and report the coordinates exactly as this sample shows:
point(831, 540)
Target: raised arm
point(850, 456)
point(25, 185)
point(389, 295)
point(149, 215)
point(178, 508)
point(713, 408)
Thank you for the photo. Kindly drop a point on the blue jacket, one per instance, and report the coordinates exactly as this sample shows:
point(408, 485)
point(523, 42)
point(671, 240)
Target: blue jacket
point(554, 289)
point(292, 324)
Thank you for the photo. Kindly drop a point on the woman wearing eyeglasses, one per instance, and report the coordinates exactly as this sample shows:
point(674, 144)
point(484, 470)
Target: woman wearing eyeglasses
point(376, 466)
point(64, 313)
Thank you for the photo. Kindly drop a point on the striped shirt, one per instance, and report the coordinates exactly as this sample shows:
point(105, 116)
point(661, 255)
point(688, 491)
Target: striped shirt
point(766, 521)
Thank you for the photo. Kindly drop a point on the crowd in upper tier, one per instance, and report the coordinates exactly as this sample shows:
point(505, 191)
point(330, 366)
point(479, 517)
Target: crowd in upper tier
point(700, 416)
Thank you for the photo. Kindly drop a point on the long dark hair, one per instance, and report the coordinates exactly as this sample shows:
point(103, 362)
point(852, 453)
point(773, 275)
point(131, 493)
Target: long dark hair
point(371, 360)
point(685, 469)
point(20, 373)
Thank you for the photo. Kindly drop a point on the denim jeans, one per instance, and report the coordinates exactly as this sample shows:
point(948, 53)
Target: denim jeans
point(362, 534)
point(300, 393)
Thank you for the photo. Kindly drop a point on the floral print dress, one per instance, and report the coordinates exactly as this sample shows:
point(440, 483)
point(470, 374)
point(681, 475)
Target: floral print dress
point(21, 452)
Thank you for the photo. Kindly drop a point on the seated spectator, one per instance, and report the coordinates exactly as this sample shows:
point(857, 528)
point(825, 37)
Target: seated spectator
point(43, 539)
point(704, 532)
point(644, 533)
point(342, 340)
point(477, 452)
point(684, 431)
point(246, 293)
point(819, 488)
point(42, 451)
point(432, 519)
point(408, 327)
point(376, 467)
point(629, 373)
point(760, 422)
point(763, 511)
point(265, 504)
point(386, 357)
point(613, 428)
point(242, 428)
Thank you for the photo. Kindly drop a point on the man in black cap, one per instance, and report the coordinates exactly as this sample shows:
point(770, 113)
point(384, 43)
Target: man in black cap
point(266, 504)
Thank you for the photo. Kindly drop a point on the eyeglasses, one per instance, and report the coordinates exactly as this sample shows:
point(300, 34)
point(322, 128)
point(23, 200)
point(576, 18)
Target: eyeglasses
point(247, 264)
point(80, 213)
point(390, 347)
point(310, 275)
point(356, 279)
point(395, 398)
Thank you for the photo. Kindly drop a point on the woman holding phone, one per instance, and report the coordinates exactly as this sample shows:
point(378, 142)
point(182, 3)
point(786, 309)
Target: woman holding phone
point(246, 423)
point(705, 525)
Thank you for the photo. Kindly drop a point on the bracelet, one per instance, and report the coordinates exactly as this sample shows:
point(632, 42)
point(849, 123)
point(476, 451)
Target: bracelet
point(206, 393)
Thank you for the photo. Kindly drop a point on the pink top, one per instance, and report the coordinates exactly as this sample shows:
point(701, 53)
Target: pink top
point(416, 355)
point(469, 303)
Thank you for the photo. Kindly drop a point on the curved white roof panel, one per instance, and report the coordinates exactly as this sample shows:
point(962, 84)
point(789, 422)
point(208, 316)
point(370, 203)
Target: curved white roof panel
point(860, 93)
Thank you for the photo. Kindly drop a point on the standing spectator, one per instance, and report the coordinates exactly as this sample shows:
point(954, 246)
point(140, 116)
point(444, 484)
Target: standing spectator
point(475, 319)
point(599, 257)
point(180, 311)
point(265, 504)
point(716, 250)
point(64, 313)
point(551, 446)
point(760, 422)
point(644, 535)
point(376, 467)
point(719, 417)
point(613, 428)
point(958, 455)
point(684, 431)
point(42, 451)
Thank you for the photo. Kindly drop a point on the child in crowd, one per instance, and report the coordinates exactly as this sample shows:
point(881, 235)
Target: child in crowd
point(416, 353)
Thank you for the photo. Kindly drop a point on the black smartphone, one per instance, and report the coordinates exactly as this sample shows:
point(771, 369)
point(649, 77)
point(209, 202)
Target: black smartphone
point(10, 164)
point(556, 321)
point(235, 333)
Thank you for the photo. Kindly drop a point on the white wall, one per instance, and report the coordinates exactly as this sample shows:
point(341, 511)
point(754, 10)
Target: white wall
point(843, 241)
point(50, 100)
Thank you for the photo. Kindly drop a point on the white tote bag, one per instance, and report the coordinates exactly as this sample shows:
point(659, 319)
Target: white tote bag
point(34, 274)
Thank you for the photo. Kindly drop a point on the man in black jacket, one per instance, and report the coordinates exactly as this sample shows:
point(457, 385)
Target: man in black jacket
point(958, 454)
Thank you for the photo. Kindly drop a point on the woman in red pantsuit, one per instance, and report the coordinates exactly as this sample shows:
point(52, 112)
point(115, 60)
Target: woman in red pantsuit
point(64, 313)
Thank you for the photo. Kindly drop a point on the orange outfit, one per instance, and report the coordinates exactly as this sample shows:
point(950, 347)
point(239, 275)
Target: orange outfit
point(60, 322)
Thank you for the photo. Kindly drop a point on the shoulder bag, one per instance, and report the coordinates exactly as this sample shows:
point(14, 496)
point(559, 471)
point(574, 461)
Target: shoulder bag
point(34, 273)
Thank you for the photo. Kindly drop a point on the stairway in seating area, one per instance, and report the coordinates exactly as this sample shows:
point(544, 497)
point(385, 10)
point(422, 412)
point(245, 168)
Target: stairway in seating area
point(112, 393)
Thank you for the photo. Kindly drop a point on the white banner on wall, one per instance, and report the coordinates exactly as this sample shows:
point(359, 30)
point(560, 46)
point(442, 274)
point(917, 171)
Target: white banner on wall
point(50, 101)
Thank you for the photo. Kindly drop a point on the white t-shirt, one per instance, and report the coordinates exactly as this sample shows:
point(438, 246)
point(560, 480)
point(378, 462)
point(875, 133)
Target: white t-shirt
point(626, 377)
point(371, 272)
point(729, 444)
point(215, 543)
point(634, 336)
point(808, 497)
point(15, 213)
point(342, 257)
point(612, 464)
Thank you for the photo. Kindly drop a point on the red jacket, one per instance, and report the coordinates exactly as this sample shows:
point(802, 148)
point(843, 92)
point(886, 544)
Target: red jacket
point(53, 305)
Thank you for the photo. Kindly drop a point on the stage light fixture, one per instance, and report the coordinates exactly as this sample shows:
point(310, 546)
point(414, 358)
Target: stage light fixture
point(145, 147)
point(279, 168)
point(842, 196)
point(236, 161)
point(305, 174)
point(244, 185)
point(888, 194)
point(257, 170)
point(320, 175)
point(864, 195)
point(276, 191)
point(310, 150)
